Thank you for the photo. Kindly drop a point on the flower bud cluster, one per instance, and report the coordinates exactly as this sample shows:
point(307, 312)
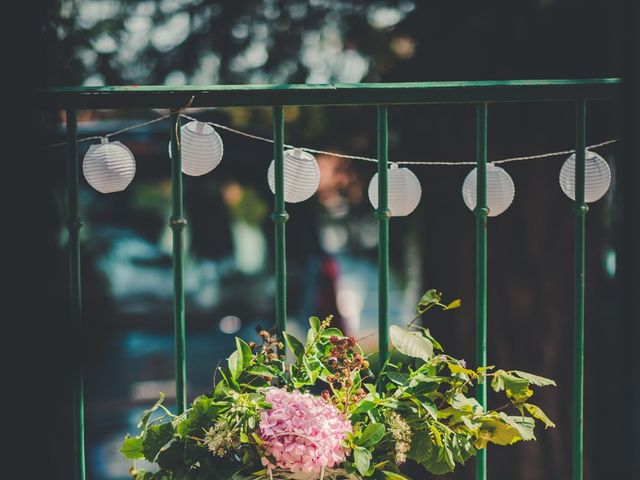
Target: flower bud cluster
point(269, 347)
point(344, 362)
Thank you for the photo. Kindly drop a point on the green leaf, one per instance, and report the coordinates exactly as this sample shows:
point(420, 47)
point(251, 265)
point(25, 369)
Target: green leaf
point(132, 448)
point(514, 386)
point(331, 331)
point(260, 370)
point(430, 297)
point(314, 322)
point(171, 457)
point(535, 379)
point(295, 345)
point(235, 364)
point(461, 402)
point(371, 435)
point(524, 425)
point(455, 368)
point(364, 406)
point(244, 351)
point(398, 378)
point(393, 475)
point(501, 433)
point(412, 344)
point(155, 438)
point(536, 412)
point(142, 475)
point(362, 460)
point(313, 367)
point(144, 419)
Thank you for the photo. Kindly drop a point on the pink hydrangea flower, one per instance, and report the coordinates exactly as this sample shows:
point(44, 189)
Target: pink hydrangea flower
point(301, 432)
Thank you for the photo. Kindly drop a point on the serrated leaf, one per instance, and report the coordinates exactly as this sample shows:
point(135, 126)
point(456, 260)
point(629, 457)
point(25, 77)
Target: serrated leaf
point(501, 432)
point(144, 419)
point(362, 460)
point(295, 345)
point(524, 425)
point(514, 386)
point(535, 379)
point(536, 412)
point(371, 435)
point(469, 404)
point(132, 448)
point(412, 344)
point(155, 438)
point(454, 368)
point(430, 297)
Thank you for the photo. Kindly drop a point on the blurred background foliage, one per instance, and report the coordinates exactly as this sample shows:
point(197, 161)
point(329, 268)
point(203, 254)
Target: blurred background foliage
point(331, 238)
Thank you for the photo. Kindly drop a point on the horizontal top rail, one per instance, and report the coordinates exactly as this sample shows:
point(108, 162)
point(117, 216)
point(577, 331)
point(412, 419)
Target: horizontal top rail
point(174, 97)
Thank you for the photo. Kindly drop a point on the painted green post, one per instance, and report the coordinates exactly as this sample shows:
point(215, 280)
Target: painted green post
point(481, 211)
point(383, 213)
point(280, 217)
point(177, 222)
point(580, 210)
point(73, 227)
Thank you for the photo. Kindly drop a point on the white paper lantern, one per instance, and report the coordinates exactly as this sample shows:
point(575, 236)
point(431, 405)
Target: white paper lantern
point(597, 177)
point(109, 167)
point(403, 192)
point(301, 175)
point(500, 189)
point(201, 148)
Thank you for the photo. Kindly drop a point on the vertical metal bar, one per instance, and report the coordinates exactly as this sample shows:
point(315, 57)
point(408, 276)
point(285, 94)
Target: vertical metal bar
point(383, 215)
point(177, 222)
point(580, 210)
point(481, 211)
point(73, 226)
point(280, 217)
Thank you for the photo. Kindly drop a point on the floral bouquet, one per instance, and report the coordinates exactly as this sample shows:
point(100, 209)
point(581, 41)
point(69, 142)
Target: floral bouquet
point(326, 415)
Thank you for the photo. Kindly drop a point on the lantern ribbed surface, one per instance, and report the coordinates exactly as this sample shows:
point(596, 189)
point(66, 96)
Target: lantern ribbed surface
point(500, 189)
point(201, 148)
point(403, 192)
point(301, 175)
point(597, 177)
point(109, 167)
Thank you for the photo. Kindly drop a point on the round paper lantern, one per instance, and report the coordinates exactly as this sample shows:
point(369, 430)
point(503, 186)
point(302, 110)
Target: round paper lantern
point(597, 177)
point(301, 175)
point(500, 189)
point(201, 148)
point(404, 191)
point(109, 167)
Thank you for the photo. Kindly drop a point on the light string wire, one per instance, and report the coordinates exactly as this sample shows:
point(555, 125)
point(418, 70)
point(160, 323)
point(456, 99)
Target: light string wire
point(332, 154)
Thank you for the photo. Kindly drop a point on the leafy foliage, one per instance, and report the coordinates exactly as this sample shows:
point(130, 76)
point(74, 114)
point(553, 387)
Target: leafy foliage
point(418, 408)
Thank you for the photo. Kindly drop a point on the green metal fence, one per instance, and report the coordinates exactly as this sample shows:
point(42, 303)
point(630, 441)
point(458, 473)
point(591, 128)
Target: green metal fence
point(481, 93)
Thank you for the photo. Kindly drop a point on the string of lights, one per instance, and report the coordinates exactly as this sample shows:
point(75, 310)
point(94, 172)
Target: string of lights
point(110, 167)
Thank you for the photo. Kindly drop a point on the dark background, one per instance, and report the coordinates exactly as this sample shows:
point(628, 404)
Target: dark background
point(530, 257)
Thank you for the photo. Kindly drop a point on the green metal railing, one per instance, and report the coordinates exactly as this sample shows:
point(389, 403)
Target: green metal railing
point(481, 93)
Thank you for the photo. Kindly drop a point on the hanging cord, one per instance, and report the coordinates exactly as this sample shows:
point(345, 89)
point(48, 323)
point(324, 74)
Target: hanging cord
point(331, 154)
point(180, 111)
point(112, 134)
point(401, 162)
